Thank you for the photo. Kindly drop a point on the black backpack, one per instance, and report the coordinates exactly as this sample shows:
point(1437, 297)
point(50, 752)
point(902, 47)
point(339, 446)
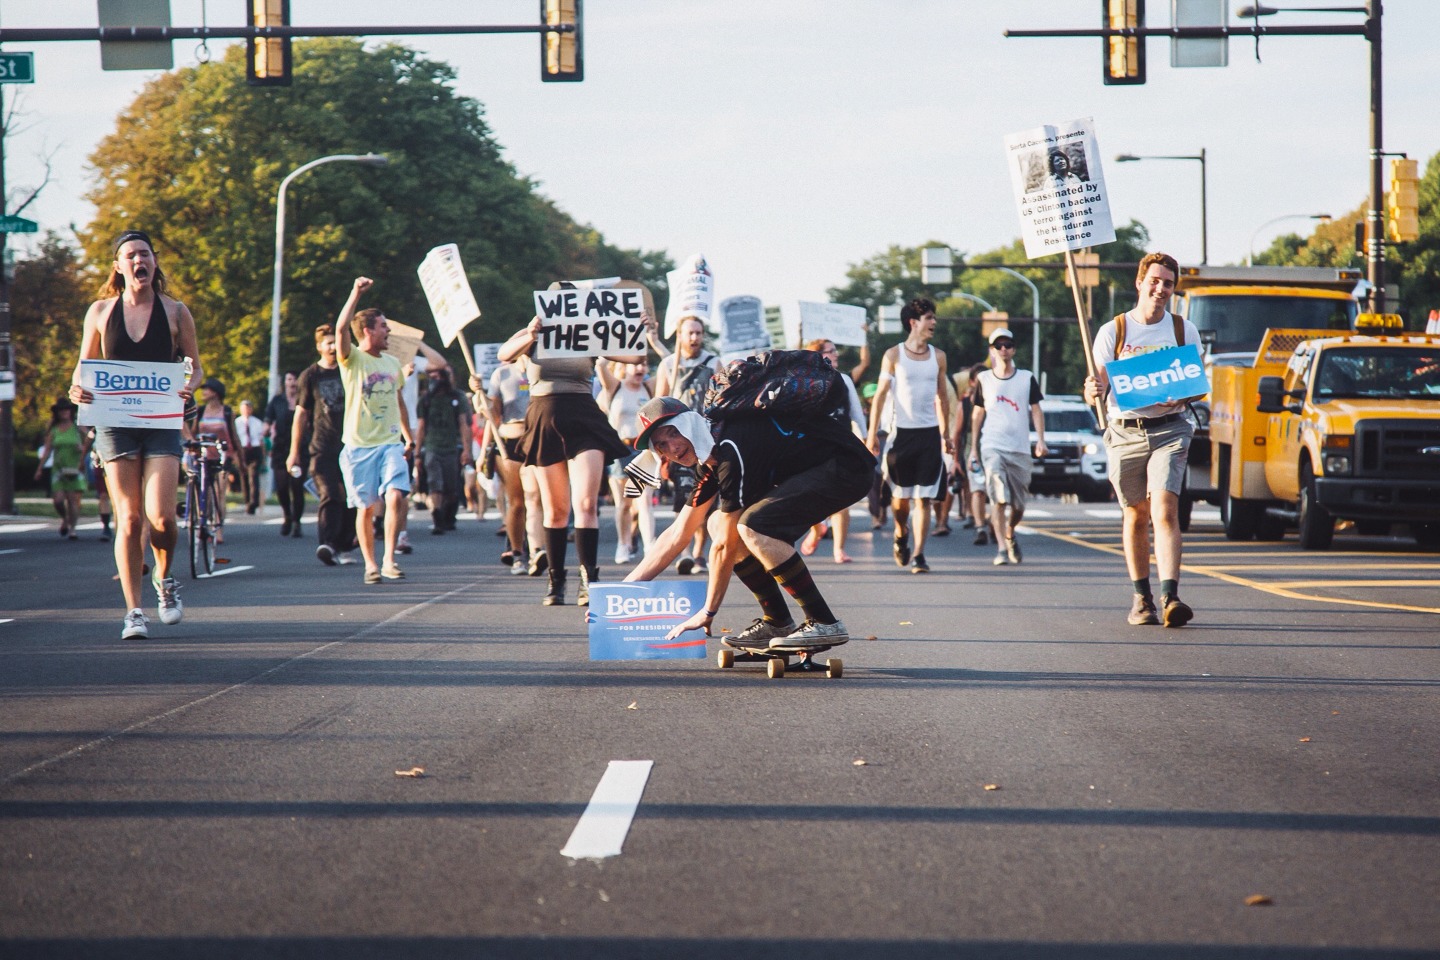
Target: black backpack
point(776, 383)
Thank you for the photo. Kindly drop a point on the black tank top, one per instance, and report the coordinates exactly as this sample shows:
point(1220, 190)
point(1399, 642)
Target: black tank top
point(156, 346)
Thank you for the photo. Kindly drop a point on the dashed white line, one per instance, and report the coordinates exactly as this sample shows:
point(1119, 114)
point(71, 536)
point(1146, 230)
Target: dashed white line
point(221, 573)
point(606, 820)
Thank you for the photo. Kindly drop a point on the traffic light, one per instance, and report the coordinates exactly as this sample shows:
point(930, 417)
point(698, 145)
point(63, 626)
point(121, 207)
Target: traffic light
point(267, 59)
point(1124, 56)
point(1404, 201)
point(562, 58)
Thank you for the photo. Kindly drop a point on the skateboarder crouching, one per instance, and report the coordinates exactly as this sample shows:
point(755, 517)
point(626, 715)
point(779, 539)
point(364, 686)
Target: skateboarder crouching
point(771, 479)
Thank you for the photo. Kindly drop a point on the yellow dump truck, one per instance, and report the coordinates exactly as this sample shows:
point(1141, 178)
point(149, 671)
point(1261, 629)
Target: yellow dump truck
point(1322, 427)
point(1232, 307)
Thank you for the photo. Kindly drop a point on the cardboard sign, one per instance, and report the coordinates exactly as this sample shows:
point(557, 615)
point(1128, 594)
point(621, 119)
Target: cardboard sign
point(132, 394)
point(742, 325)
point(840, 323)
point(404, 342)
point(628, 621)
point(448, 290)
point(692, 292)
point(1059, 188)
point(590, 323)
point(487, 359)
point(1160, 376)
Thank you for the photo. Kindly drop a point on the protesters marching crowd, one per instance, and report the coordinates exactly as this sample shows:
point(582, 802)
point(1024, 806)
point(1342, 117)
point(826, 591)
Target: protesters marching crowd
point(696, 479)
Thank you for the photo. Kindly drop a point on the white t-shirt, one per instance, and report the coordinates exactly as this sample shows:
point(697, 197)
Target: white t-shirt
point(1007, 410)
point(1140, 337)
point(250, 431)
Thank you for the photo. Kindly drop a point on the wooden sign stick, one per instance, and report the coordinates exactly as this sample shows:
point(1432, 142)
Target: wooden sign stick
point(1085, 332)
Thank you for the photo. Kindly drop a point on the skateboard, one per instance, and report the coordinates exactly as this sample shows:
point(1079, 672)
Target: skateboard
point(778, 661)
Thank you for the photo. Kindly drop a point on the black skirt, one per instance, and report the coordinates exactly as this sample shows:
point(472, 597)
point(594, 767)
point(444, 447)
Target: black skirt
point(561, 426)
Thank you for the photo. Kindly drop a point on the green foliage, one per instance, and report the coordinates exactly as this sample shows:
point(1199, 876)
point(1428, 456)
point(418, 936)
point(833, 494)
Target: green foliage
point(197, 159)
point(893, 276)
point(48, 300)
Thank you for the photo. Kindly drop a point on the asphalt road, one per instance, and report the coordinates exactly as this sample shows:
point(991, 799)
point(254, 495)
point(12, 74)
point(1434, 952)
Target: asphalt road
point(1007, 770)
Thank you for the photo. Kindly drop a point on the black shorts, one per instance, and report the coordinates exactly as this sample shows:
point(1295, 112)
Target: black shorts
point(914, 465)
point(512, 448)
point(805, 499)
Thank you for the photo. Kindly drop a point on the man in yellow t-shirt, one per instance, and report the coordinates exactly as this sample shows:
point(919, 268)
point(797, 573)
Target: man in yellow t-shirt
point(376, 431)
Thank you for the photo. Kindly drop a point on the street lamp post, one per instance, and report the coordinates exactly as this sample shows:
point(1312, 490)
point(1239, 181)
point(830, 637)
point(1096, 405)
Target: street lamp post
point(1270, 223)
point(370, 159)
point(1204, 212)
point(971, 296)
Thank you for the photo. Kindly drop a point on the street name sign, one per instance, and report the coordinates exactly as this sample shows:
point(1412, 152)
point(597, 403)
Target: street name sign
point(13, 224)
point(17, 67)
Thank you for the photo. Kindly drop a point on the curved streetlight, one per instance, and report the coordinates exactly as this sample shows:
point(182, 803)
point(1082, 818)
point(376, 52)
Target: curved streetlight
point(369, 159)
point(1271, 223)
point(971, 296)
point(1204, 213)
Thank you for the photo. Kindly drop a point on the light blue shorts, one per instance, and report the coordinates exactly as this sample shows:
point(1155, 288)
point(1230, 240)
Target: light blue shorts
point(370, 472)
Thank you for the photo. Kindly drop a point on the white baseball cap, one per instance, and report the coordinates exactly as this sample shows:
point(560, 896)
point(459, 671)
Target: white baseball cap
point(1002, 332)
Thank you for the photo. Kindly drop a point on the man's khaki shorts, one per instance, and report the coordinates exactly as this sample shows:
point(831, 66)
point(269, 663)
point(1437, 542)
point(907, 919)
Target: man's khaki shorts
point(1147, 457)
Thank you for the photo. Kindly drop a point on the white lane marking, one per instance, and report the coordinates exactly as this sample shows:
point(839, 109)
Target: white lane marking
point(1032, 512)
point(221, 573)
point(26, 527)
point(1111, 513)
point(606, 820)
point(13, 550)
point(8, 620)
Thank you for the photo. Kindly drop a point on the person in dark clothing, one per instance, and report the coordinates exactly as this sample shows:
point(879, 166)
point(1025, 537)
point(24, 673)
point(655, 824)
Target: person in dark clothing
point(320, 415)
point(442, 435)
point(279, 424)
point(770, 480)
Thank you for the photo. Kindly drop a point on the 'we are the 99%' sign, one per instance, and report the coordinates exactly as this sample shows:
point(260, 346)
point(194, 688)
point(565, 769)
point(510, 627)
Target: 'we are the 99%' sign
point(590, 323)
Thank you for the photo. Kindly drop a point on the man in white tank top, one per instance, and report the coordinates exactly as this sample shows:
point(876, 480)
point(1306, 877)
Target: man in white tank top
point(913, 374)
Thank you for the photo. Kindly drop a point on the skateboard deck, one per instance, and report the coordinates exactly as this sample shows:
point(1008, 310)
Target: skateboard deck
point(777, 659)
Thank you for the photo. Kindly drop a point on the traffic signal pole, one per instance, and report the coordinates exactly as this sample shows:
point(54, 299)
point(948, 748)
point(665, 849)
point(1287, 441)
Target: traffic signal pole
point(1369, 30)
point(120, 34)
point(7, 350)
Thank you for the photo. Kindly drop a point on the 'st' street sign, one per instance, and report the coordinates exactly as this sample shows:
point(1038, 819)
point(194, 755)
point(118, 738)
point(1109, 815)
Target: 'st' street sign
point(17, 67)
point(14, 224)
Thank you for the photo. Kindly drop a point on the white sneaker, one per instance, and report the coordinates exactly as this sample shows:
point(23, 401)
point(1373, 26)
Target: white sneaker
point(171, 609)
point(346, 559)
point(622, 553)
point(1001, 559)
point(402, 543)
point(813, 634)
point(136, 626)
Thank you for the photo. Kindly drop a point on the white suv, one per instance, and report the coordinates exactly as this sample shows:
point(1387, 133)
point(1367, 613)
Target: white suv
point(1075, 461)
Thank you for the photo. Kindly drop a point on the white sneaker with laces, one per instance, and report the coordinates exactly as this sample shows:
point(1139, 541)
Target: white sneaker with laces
point(759, 634)
point(813, 634)
point(346, 559)
point(171, 609)
point(135, 626)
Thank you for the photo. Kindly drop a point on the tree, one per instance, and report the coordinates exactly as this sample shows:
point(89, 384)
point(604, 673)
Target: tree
point(48, 300)
point(197, 158)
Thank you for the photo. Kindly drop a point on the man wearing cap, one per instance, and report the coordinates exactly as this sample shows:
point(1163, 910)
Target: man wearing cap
point(1000, 439)
point(769, 480)
point(686, 374)
point(1148, 447)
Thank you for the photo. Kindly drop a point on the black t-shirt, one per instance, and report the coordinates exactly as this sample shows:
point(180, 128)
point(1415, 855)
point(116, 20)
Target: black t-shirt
point(278, 412)
point(753, 456)
point(322, 395)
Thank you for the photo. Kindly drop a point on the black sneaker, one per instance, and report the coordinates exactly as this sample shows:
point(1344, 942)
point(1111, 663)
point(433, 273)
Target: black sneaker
point(325, 554)
point(902, 547)
point(918, 565)
point(982, 537)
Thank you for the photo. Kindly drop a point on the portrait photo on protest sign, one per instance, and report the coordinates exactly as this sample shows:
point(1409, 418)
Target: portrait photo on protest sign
point(1158, 376)
point(1059, 188)
point(576, 322)
point(131, 393)
point(629, 621)
point(742, 326)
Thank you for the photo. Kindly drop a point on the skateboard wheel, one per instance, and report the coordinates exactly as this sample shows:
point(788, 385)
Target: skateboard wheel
point(776, 668)
point(725, 659)
point(834, 668)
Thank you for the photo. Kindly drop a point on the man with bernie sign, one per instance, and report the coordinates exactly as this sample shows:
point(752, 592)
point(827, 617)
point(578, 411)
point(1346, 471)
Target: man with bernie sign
point(1148, 367)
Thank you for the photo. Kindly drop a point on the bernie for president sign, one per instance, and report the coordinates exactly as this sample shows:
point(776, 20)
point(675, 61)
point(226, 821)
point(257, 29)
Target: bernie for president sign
point(629, 621)
point(1160, 376)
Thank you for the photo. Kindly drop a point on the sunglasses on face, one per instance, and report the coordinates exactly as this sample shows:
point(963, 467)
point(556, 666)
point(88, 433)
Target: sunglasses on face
point(1004, 345)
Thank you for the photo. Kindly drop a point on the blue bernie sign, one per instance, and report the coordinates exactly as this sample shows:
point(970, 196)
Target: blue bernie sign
point(628, 621)
point(1175, 373)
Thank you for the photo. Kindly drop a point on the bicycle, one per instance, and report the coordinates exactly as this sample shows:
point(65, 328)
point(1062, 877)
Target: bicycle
point(202, 504)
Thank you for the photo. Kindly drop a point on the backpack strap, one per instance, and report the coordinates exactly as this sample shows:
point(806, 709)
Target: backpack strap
point(1119, 334)
point(1179, 322)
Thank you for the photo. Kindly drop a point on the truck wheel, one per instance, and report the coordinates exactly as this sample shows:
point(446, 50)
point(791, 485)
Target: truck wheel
point(1238, 517)
point(1317, 526)
point(1187, 507)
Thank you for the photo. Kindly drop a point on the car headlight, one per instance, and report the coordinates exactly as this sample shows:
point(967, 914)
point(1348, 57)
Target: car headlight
point(1337, 463)
point(1092, 448)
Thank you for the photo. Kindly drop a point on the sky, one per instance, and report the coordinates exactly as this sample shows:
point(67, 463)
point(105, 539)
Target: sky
point(786, 140)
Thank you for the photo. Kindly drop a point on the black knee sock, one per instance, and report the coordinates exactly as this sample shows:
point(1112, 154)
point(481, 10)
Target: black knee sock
point(555, 547)
point(587, 547)
point(795, 577)
point(1169, 588)
point(767, 592)
point(1142, 587)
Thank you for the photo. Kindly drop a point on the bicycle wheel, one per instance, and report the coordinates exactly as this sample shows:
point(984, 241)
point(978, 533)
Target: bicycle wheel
point(193, 524)
point(212, 520)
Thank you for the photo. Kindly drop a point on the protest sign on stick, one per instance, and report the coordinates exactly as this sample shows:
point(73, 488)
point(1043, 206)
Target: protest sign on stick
point(487, 359)
point(451, 300)
point(1060, 192)
point(692, 293)
point(590, 323)
point(742, 322)
point(840, 323)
